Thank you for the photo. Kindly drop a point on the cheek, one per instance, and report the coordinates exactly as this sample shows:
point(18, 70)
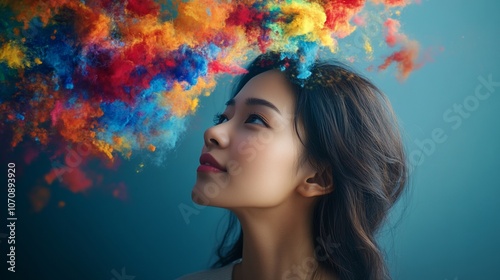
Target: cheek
point(261, 174)
point(266, 172)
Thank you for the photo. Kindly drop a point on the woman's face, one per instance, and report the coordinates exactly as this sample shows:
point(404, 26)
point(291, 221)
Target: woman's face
point(256, 144)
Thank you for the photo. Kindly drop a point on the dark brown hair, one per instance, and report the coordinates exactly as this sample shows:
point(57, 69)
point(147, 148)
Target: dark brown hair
point(350, 132)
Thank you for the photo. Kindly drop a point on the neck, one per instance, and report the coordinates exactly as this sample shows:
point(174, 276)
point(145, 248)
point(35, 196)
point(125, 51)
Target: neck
point(277, 242)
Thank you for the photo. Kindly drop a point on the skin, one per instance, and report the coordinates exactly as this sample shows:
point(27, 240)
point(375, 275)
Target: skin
point(270, 194)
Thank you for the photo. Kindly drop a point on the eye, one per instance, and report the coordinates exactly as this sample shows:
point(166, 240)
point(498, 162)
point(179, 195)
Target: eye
point(252, 118)
point(219, 118)
point(257, 117)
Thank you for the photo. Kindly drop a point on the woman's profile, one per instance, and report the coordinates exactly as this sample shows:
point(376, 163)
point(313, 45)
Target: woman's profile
point(309, 170)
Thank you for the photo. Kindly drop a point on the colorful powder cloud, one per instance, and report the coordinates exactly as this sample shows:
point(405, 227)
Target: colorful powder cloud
point(123, 77)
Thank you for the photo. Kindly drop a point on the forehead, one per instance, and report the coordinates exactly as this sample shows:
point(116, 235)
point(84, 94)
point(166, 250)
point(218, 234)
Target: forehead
point(272, 86)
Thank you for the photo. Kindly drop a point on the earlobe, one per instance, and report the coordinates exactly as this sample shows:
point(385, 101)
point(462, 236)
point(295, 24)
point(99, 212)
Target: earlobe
point(312, 190)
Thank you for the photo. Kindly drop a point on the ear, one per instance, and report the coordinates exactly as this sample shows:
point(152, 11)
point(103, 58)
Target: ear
point(317, 184)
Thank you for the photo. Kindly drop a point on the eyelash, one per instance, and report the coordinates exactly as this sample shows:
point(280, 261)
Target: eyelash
point(219, 117)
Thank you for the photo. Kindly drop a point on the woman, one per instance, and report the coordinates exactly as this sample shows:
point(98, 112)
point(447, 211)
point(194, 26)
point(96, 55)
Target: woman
point(310, 169)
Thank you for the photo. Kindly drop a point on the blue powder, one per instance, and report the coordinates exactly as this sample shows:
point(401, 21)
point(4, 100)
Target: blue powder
point(190, 65)
point(20, 116)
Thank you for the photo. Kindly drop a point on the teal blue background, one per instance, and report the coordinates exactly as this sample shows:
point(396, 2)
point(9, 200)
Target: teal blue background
point(446, 227)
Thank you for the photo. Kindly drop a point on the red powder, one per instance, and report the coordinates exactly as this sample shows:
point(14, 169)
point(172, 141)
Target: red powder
point(216, 67)
point(394, 3)
point(405, 59)
point(54, 114)
point(139, 54)
point(30, 155)
point(142, 57)
point(338, 12)
point(170, 63)
point(244, 15)
point(251, 19)
point(143, 7)
point(124, 77)
point(392, 36)
point(76, 180)
point(121, 70)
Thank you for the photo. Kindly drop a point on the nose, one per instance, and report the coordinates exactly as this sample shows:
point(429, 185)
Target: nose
point(216, 136)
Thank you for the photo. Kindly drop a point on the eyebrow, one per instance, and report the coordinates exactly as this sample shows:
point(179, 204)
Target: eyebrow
point(255, 101)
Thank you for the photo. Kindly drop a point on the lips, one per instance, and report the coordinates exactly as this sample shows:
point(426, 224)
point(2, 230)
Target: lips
point(208, 163)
